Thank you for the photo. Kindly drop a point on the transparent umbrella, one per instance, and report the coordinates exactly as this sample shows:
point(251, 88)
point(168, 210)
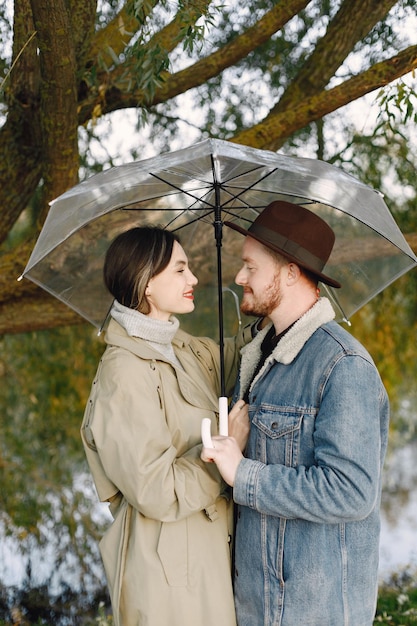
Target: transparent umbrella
point(192, 191)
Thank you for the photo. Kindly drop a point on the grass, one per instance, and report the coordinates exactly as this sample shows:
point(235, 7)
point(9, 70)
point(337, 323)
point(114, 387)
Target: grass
point(397, 600)
point(397, 606)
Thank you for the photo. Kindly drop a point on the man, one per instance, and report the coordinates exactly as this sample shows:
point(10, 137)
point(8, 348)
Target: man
point(308, 488)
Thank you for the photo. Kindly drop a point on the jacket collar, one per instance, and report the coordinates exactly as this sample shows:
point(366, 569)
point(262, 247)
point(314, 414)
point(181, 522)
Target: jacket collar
point(289, 346)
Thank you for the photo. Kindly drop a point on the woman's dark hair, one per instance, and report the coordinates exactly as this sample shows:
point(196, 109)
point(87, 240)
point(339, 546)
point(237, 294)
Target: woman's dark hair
point(132, 259)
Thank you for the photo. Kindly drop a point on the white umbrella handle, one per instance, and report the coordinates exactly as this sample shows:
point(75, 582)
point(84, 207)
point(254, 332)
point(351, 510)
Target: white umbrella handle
point(223, 424)
point(206, 433)
point(223, 417)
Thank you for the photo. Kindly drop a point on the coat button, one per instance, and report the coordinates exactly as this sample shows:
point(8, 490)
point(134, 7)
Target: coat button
point(274, 425)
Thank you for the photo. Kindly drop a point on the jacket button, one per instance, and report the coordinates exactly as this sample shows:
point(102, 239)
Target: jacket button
point(274, 425)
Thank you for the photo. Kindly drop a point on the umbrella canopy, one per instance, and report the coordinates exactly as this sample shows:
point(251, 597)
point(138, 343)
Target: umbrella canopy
point(192, 191)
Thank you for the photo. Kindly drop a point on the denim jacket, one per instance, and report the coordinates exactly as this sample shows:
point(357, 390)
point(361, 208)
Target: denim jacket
point(309, 487)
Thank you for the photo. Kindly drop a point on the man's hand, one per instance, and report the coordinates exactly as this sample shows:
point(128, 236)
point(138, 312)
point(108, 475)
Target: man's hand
point(239, 423)
point(226, 455)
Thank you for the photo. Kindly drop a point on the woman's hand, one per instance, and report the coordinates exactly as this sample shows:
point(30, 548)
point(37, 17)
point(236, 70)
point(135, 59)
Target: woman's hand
point(227, 451)
point(226, 455)
point(239, 424)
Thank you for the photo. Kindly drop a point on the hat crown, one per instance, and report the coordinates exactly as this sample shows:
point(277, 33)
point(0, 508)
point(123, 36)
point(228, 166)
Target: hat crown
point(292, 228)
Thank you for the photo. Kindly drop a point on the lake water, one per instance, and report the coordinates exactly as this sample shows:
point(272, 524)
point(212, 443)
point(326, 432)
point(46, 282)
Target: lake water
point(399, 511)
point(398, 524)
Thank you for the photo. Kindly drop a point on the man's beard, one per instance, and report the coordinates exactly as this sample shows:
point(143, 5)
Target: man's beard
point(263, 305)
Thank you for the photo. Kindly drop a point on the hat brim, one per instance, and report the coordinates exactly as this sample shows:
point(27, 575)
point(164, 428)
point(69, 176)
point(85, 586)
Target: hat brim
point(322, 277)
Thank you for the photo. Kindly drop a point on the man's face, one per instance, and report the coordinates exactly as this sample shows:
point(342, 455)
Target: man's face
point(260, 277)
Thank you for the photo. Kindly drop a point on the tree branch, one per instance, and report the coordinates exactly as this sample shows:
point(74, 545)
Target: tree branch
point(116, 34)
point(82, 14)
point(352, 22)
point(40, 313)
point(169, 37)
point(20, 136)
point(275, 129)
point(59, 118)
point(231, 53)
point(201, 71)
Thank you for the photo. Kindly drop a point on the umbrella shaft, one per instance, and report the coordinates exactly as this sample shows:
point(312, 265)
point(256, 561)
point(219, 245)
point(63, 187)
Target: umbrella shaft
point(218, 231)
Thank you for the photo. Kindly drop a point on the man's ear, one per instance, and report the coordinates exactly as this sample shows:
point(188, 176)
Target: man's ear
point(293, 273)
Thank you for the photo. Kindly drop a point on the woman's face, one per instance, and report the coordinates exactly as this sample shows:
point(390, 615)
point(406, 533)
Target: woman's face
point(171, 291)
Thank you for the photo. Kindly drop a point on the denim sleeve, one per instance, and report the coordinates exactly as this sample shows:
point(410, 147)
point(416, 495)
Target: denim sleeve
point(349, 441)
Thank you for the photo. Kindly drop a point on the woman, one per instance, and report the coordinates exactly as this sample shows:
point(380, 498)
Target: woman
point(167, 552)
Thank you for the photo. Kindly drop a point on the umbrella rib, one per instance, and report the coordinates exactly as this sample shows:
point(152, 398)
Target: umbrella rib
point(246, 189)
point(219, 185)
point(184, 191)
point(197, 219)
point(250, 172)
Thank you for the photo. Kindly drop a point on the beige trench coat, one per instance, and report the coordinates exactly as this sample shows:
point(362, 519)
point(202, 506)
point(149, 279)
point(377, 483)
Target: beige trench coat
point(167, 553)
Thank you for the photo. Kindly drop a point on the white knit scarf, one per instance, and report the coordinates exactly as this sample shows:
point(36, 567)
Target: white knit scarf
point(157, 333)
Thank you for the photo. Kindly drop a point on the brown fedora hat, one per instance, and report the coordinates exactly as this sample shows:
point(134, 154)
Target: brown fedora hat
point(296, 233)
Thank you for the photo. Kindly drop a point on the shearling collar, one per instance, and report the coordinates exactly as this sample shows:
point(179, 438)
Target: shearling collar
point(289, 346)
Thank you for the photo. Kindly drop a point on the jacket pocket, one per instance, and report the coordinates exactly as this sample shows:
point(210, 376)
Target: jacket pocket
point(278, 435)
point(173, 552)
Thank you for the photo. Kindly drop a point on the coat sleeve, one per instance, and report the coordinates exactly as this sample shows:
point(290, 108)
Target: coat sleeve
point(343, 482)
point(128, 427)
